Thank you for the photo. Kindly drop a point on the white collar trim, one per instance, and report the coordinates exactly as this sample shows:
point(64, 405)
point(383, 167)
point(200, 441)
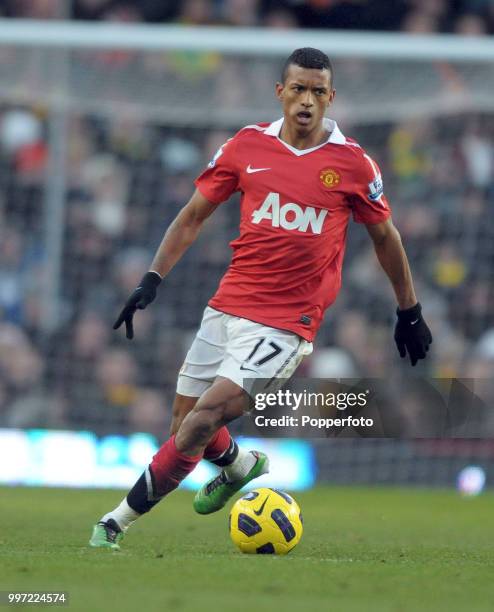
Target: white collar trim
point(335, 136)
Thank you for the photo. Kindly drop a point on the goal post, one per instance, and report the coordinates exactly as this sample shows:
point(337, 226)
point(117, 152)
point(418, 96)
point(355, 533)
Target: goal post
point(244, 41)
point(176, 74)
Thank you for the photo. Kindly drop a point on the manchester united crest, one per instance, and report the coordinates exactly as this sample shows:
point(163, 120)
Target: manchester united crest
point(329, 178)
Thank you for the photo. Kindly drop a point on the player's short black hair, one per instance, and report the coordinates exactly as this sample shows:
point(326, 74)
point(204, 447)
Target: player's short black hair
point(307, 57)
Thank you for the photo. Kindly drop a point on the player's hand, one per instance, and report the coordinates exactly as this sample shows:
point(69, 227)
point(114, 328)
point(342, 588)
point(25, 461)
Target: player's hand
point(143, 295)
point(412, 334)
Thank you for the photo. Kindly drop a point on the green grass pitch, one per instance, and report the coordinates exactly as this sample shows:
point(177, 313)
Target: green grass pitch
point(363, 550)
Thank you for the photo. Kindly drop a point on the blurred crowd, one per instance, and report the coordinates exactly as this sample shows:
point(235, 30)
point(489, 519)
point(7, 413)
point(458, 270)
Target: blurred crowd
point(469, 17)
point(126, 181)
point(128, 173)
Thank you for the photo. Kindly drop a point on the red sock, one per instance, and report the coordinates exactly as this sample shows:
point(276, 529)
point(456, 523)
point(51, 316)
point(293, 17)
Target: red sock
point(169, 467)
point(218, 444)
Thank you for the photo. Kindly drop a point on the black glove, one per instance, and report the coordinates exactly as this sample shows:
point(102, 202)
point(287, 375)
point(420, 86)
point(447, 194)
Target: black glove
point(143, 295)
point(412, 333)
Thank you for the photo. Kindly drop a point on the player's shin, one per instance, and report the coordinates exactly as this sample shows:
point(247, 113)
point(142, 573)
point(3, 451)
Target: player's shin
point(169, 467)
point(163, 475)
point(221, 449)
point(224, 452)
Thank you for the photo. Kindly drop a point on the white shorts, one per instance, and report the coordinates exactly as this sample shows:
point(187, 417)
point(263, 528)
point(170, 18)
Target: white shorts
point(240, 350)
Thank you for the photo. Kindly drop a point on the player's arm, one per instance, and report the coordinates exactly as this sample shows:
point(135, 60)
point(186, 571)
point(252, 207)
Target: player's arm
point(411, 332)
point(215, 185)
point(392, 257)
point(181, 233)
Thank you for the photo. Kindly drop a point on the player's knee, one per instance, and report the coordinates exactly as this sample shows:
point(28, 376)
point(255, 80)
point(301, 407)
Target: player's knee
point(198, 426)
point(222, 403)
point(207, 418)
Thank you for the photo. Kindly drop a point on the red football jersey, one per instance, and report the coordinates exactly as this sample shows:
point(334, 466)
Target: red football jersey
point(295, 207)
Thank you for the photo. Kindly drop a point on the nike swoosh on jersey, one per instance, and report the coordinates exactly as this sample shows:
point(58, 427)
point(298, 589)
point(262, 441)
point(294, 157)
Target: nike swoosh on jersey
point(248, 369)
point(251, 170)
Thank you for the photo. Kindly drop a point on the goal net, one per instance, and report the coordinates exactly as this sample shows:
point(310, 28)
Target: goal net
point(103, 129)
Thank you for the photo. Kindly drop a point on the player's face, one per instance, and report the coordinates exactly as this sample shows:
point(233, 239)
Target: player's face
point(305, 95)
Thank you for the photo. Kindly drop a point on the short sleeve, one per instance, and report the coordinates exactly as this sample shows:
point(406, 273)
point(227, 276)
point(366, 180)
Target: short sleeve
point(220, 179)
point(369, 204)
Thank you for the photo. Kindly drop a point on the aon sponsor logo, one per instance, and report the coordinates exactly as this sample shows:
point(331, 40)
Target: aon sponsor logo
point(290, 216)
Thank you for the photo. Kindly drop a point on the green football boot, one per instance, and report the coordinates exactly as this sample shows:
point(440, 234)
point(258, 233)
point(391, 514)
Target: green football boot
point(106, 535)
point(216, 492)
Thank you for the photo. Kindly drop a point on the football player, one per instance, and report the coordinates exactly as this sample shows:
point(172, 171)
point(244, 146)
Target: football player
point(301, 180)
